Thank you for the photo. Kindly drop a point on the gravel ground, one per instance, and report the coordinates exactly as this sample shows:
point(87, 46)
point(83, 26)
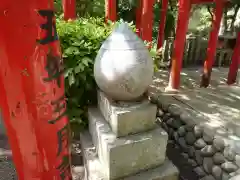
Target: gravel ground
point(7, 170)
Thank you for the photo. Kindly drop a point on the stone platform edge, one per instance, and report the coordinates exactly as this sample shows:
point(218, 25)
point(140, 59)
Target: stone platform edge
point(214, 153)
point(166, 171)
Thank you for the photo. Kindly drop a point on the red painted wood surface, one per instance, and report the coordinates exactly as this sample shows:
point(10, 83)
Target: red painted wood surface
point(162, 23)
point(32, 90)
point(212, 44)
point(233, 70)
point(69, 9)
point(111, 10)
point(182, 26)
point(147, 20)
point(202, 1)
point(138, 17)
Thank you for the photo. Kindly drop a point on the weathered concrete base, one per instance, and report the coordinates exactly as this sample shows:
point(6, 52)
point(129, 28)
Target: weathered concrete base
point(126, 155)
point(94, 169)
point(127, 117)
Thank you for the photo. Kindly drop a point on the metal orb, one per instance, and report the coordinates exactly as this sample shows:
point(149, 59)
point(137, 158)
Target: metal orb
point(123, 68)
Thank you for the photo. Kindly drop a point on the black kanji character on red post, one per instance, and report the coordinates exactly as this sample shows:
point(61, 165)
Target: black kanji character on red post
point(64, 168)
point(63, 138)
point(49, 26)
point(54, 69)
point(60, 109)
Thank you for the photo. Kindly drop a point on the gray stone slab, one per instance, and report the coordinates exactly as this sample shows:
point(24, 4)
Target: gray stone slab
point(126, 155)
point(94, 170)
point(127, 118)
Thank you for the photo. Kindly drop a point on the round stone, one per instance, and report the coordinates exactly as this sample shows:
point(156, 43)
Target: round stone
point(225, 176)
point(170, 132)
point(198, 130)
point(185, 155)
point(209, 177)
point(191, 151)
point(192, 162)
point(208, 164)
point(218, 158)
point(181, 131)
point(174, 110)
point(237, 160)
point(229, 167)
point(200, 143)
point(123, 68)
point(175, 136)
point(183, 144)
point(229, 154)
point(207, 137)
point(217, 172)
point(208, 151)
point(165, 127)
point(198, 157)
point(190, 138)
point(237, 177)
point(160, 113)
point(166, 117)
point(219, 144)
point(153, 98)
point(199, 171)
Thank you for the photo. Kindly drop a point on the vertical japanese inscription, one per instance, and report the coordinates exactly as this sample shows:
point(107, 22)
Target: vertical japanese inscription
point(54, 71)
point(49, 27)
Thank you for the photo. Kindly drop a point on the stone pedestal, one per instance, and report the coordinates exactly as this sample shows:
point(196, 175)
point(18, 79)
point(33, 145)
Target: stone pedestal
point(124, 143)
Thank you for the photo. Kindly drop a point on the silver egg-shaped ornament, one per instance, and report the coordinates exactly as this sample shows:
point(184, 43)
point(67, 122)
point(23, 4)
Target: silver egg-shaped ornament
point(123, 68)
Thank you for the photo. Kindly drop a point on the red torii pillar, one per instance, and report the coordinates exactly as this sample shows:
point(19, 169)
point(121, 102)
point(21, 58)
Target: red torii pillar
point(212, 44)
point(147, 20)
point(69, 9)
point(111, 10)
point(233, 70)
point(32, 90)
point(162, 23)
point(139, 17)
point(182, 26)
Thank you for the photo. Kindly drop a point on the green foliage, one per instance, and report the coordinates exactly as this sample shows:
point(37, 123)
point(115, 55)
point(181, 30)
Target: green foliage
point(80, 42)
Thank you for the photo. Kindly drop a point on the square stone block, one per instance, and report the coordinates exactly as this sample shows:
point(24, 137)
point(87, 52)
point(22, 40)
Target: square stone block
point(94, 169)
point(127, 118)
point(126, 155)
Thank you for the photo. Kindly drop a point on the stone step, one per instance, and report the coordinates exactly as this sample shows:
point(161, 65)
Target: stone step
point(126, 155)
point(127, 117)
point(94, 169)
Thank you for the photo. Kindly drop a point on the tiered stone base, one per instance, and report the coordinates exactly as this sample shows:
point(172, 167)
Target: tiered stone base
point(94, 169)
point(125, 143)
point(213, 152)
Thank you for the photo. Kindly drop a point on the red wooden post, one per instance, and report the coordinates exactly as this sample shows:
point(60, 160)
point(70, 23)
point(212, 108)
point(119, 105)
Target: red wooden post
point(162, 23)
point(32, 90)
point(111, 10)
point(202, 1)
point(233, 70)
point(69, 9)
point(138, 17)
point(147, 20)
point(182, 26)
point(212, 44)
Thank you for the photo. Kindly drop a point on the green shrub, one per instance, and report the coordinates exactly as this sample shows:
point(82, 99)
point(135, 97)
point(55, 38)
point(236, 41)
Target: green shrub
point(80, 41)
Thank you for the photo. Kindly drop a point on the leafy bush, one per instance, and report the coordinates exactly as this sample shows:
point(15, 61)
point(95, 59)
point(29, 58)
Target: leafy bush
point(80, 41)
